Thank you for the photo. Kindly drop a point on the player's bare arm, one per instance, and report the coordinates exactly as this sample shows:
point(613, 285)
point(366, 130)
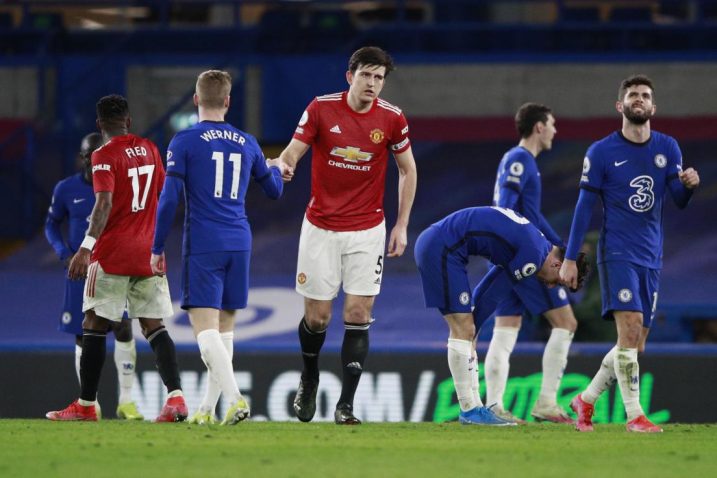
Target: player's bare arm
point(290, 157)
point(407, 179)
point(689, 178)
point(98, 220)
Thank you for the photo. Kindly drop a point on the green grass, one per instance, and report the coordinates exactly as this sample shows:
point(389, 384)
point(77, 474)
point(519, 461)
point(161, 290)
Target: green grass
point(111, 448)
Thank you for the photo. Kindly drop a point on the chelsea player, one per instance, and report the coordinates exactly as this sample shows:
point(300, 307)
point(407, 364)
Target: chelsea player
point(631, 170)
point(518, 187)
point(211, 162)
point(72, 200)
point(518, 250)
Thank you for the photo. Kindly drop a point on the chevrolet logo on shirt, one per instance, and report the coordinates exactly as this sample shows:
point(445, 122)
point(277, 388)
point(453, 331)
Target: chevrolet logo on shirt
point(349, 153)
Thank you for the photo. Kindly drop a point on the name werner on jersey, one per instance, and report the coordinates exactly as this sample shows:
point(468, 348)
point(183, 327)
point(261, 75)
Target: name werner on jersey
point(212, 134)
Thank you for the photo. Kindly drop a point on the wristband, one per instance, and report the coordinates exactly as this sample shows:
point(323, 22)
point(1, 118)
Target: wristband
point(88, 243)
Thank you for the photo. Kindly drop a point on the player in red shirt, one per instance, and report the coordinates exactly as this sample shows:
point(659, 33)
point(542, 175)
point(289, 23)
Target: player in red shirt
point(127, 177)
point(343, 235)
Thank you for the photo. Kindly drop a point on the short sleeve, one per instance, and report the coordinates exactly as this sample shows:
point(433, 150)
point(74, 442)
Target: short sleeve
point(103, 171)
point(307, 128)
point(399, 135)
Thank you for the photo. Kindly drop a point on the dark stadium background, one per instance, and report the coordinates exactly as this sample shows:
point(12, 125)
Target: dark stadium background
point(463, 69)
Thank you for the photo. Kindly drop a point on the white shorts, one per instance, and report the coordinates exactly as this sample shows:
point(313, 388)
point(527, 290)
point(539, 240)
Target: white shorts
point(109, 295)
point(329, 258)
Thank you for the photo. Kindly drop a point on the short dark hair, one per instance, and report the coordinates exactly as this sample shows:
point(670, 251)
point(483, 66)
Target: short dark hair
point(528, 115)
point(583, 267)
point(371, 55)
point(112, 109)
point(633, 81)
point(90, 143)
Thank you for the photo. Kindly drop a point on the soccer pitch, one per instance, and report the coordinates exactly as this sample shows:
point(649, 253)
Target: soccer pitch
point(113, 448)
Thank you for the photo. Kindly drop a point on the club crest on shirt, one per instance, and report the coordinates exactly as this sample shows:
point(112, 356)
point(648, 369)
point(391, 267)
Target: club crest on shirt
point(376, 136)
point(625, 295)
point(464, 298)
point(660, 161)
point(301, 278)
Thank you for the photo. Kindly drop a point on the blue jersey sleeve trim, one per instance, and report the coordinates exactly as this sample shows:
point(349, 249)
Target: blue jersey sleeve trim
point(589, 188)
point(581, 222)
point(672, 176)
point(680, 194)
point(271, 183)
point(168, 201)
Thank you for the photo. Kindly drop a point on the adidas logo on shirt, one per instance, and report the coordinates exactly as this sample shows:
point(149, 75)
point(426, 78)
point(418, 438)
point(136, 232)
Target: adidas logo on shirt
point(336, 129)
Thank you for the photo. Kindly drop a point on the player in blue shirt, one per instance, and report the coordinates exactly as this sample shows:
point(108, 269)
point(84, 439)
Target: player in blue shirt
point(72, 200)
point(212, 162)
point(518, 187)
point(518, 251)
point(631, 171)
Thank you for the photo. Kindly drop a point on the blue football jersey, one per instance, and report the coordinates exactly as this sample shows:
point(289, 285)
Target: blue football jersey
point(215, 161)
point(518, 187)
point(631, 180)
point(73, 198)
point(500, 235)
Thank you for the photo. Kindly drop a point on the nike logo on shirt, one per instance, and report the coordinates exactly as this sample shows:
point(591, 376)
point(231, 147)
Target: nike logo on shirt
point(620, 163)
point(75, 201)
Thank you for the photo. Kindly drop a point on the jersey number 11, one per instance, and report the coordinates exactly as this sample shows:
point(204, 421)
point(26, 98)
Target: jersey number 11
point(235, 159)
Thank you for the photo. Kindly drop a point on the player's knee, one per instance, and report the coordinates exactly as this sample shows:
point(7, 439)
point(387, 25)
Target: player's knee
point(122, 330)
point(93, 322)
point(318, 320)
point(149, 326)
point(357, 315)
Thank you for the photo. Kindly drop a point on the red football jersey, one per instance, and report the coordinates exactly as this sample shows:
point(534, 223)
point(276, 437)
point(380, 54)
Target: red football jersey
point(131, 169)
point(348, 163)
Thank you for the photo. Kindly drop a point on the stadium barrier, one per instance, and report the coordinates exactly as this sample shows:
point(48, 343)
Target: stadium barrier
point(395, 387)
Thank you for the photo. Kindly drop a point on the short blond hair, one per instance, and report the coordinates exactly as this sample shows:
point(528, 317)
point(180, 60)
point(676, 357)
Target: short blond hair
point(212, 87)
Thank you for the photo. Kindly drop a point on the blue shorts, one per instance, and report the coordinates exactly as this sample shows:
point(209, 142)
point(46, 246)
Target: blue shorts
point(534, 296)
point(628, 287)
point(72, 315)
point(443, 274)
point(217, 280)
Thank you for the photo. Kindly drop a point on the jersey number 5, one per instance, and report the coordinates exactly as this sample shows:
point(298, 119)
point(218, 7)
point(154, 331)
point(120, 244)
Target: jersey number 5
point(134, 174)
point(235, 159)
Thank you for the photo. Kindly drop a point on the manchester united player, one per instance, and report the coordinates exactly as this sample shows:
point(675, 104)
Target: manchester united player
point(73, 199)
point(343, 236)
point(127, 177)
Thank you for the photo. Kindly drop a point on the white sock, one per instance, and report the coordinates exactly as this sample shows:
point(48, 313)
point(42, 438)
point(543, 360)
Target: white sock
point(603, 379)
point(78, 355)
point(211, 396)
point(555, 358)
point(125, 360)
point(497, 363)
point(216, 359)
point(475, 383)
point(460, 362)
point(627, 371)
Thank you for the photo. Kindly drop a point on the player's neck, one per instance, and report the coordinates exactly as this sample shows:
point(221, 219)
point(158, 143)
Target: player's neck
point(357, 105)
point(637, 133)
point(206, 114)
point(532, 145)
point(108, 134)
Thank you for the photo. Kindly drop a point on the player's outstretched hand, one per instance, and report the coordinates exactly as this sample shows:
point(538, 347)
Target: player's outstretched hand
point(398, 240)
point(79, 264)
point(690, 178)
point(569, 274)
point(158, 264)
point(287, 172)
